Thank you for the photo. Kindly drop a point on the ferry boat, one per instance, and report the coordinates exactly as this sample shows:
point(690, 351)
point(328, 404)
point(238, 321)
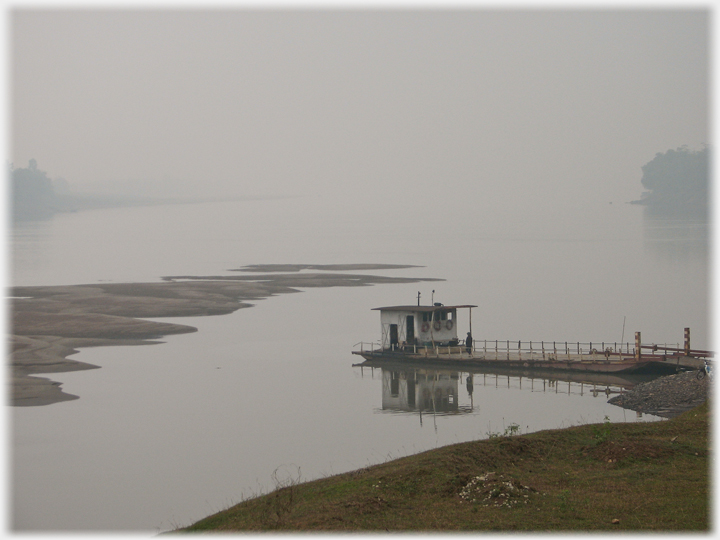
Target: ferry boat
point(423, 334)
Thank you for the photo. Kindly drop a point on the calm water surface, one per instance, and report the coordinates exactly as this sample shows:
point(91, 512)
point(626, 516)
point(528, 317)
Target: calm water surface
point(164, 435)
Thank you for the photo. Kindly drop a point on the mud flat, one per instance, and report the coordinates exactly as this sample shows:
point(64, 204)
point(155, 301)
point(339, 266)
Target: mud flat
point(51, 323)
point(330, 267)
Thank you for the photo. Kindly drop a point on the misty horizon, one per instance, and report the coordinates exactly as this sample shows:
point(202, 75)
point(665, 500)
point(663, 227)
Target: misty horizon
point(408, 105)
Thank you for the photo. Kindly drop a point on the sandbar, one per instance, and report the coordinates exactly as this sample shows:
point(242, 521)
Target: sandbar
point(50, 323)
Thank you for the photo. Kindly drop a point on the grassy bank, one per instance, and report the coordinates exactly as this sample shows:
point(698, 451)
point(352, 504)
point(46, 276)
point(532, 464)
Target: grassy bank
point(619, 477)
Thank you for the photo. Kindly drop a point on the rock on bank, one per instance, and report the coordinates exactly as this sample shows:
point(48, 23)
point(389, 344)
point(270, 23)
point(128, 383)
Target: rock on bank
point(667, 396)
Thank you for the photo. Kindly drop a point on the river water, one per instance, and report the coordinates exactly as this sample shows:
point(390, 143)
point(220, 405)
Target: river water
point(164, 435)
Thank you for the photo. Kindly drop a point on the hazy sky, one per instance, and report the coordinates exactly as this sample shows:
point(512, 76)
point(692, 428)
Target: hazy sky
point(409, 105)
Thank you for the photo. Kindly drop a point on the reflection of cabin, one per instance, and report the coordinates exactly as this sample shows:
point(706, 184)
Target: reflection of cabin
point(429, 391)
point(420, 325)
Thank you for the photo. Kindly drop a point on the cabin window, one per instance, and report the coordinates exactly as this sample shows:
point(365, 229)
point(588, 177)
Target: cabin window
point(425, 317)
point(443, 315)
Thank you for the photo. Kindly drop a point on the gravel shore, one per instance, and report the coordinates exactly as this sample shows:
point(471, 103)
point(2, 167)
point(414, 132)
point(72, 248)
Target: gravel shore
point(667, 396)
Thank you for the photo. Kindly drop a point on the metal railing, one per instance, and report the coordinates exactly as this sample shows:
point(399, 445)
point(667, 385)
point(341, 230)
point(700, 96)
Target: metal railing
point(551, 350)
point(536, 350)
point(368, 346)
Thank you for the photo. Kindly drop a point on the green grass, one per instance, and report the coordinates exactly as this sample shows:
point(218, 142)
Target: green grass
point(620, 477)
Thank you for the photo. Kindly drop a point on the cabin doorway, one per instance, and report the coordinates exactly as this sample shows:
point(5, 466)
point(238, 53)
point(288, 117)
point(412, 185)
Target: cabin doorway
point(410, 330)
point(393, 336)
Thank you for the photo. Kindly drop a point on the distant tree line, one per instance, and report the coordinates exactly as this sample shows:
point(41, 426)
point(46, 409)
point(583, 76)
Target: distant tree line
point(32, 193)
point(34, 196)
point(678, 183)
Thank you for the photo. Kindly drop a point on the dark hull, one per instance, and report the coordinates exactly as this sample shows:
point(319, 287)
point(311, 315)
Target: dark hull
point(647, 364)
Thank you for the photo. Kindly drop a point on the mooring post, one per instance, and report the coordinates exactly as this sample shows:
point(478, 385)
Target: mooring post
point(637, 346)
point(687, 342)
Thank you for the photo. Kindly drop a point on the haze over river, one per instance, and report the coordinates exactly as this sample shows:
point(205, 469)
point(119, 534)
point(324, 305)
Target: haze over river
point(164, 435)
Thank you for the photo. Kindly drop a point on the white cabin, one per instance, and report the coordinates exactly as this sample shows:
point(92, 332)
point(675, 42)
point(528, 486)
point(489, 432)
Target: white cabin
point(419, 325)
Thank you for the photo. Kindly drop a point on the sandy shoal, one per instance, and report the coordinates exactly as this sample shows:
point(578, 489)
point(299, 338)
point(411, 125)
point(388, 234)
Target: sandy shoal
point(48, 324)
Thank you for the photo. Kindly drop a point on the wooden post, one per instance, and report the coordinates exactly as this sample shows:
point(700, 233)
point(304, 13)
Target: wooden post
point(637, 346)
point(687, 342)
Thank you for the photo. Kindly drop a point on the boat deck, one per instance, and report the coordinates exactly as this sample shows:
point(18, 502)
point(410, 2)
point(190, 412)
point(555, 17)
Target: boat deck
point(592, 361)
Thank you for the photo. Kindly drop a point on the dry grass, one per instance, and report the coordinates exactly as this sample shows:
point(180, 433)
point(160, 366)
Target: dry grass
point(619, 477)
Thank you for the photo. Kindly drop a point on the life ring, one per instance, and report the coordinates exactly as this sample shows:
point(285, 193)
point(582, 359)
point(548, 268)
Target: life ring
point(437, 325)
point(449, 325)
point(425, 327)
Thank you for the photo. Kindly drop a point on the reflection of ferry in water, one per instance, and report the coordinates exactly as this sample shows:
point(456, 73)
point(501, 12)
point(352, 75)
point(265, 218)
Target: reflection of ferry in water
point(433, 388)
point(421, 390)
point(430, 334)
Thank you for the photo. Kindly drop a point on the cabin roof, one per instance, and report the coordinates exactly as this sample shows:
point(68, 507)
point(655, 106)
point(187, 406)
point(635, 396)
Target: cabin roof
point(420, 309)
